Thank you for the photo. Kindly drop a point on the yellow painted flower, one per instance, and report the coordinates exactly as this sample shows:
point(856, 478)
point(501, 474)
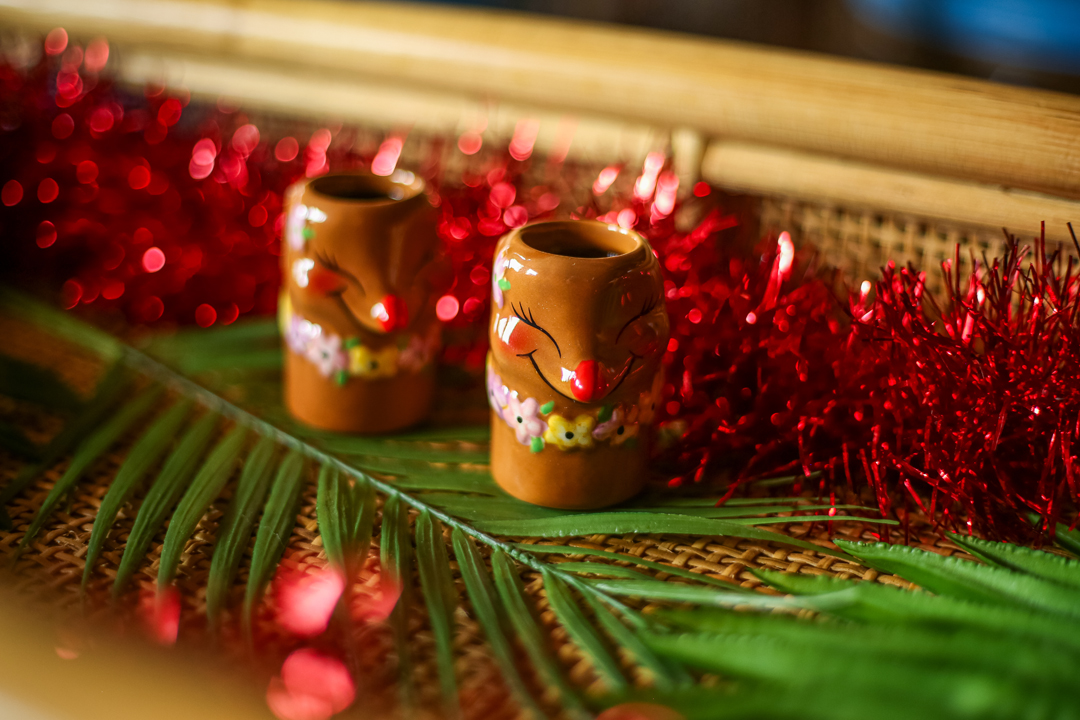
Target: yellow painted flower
point(368, 363)
point(284, 312)
point(569, 434)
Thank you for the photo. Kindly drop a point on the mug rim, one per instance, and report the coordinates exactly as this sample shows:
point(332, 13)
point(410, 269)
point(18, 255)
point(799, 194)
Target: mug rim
point(594, 230)
point(410, 184)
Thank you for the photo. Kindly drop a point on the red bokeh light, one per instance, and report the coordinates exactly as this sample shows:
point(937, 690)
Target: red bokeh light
point(86, 172)
point(56, 41)
point(12, 193)
point(307, 600)
point(312, 686)
point(205, 315)
point(46, 234)
point(470, 143)
point(62, 126)
point(153, 260)
point(139, 177)
point(287, 149)
point(97, 54)
point(48, 190)
point(447, 308)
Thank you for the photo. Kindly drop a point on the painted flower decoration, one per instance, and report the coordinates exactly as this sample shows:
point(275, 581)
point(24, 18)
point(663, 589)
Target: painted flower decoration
point(325, 351)
point(649, 399)
point(499, 283)
point(569, 434)
point(420, 351)
point(295, 225)
point(300, 334)
point(620, 427)
point(497, 392)
point(368, 363)
point(523, 417)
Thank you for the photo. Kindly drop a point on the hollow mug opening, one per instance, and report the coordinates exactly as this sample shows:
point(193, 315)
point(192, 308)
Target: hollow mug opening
point(368, 189)
point(585, 240)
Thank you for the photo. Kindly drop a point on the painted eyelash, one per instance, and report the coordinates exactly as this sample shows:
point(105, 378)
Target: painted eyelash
point(332, 265)
point(526, 317)
point(647, 308)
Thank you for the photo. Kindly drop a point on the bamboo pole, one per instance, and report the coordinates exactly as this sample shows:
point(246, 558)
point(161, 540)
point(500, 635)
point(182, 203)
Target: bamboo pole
point(329, 97)
point(774, 171)
point(921, 121)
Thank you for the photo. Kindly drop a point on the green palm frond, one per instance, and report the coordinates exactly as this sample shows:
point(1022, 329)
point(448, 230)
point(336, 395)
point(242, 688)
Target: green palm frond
point(880, 651)
point(240, 438)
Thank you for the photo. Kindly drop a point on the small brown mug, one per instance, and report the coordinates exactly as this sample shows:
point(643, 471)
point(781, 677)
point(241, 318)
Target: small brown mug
point(356, 313)
point(578, 330)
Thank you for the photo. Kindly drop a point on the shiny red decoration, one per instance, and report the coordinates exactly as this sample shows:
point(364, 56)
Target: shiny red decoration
point(965, 405)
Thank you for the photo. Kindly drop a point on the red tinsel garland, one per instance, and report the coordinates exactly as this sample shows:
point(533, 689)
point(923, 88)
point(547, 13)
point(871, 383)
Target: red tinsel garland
point(966, 408)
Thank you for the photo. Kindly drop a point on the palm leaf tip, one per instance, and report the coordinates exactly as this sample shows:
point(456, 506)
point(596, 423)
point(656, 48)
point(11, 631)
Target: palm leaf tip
point(271, 537)
point(174, 477)
point(204, 489)
point(491, 615)
point(146, 453)
point(88, 452)
point(236, 527)
point(441, 598)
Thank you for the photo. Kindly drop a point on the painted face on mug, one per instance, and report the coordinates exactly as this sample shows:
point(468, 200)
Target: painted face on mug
point(375, 285)
point(576, 319)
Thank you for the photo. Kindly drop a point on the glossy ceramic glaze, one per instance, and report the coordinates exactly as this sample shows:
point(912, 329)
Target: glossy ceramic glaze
point(577, 333)
point(356, 311)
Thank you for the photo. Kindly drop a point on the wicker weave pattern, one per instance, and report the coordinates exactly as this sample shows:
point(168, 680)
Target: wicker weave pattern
point(51, 570)
point(861, 242)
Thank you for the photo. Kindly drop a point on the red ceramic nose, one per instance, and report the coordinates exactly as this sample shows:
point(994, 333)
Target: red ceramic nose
point(391, 313)
point(587, 384)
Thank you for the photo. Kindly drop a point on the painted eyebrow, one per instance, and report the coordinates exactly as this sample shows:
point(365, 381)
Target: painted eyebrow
point(526, 317)
point(334, 267)
point(646, 308)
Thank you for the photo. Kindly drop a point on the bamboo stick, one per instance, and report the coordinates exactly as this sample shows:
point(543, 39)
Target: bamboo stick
point(340, 97)
point(774, 171)
point(920, 121)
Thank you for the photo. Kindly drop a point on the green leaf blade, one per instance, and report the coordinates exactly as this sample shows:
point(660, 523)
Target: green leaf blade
point(966, 580)
point(618, 523)
point(202, 491)
point(1021, 559)
point(527, 627)
point(34, 384)
point(108, 391)
point(164, 493)
point(583, 633)
point(490, 615)
point(440, 597)
point(395, 559)
point(272, 535)
point(89, 451)
point(235, 530)
point(143, 456)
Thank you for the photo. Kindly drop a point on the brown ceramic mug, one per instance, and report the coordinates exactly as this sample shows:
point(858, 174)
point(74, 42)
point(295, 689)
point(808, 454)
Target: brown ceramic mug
point(357, 315)
point(577, 335)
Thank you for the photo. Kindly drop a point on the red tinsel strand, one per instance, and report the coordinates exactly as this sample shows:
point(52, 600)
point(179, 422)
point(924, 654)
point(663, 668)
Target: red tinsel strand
point(967, 404)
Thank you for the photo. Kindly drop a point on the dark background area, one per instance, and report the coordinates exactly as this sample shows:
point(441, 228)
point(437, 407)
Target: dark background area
point(1033, 42)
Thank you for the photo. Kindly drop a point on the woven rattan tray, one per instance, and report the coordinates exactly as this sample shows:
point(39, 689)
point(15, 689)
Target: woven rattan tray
point(50, 570)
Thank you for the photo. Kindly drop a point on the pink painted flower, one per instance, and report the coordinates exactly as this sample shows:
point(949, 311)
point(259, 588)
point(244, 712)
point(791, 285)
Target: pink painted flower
point(294, 226)
point(620, 427)
point(420, 351)
point(498, 278)
point(300, 333)
point(497, 393)
point(325, 351)
point(523, 417)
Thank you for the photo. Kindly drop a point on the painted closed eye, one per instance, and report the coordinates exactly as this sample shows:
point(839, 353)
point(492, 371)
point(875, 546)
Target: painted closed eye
point(646, 308)
point(526, 317)
point(332, 274)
